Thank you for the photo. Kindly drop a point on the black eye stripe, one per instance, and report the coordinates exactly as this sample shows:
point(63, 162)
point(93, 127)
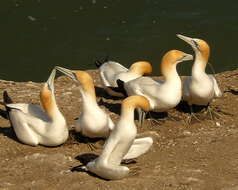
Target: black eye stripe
point(75, 75)
point(196, 44)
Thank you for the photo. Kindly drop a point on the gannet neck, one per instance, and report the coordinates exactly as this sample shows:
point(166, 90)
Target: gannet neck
point(88, 99)
point(86, 82)
point(172, 75)
point(141, 68)
point(199, 65)
point(48, 102)
point(202, 53)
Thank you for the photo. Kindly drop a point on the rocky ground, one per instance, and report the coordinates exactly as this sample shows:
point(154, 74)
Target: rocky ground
point(202, 155)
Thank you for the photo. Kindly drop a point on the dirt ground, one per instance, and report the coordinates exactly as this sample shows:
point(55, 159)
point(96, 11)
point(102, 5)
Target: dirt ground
point(199, 156)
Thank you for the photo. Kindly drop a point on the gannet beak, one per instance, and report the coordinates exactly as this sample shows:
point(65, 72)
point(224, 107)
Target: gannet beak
point(50, 81)
point(67, 72)
point(186, 39)
point(187, 57)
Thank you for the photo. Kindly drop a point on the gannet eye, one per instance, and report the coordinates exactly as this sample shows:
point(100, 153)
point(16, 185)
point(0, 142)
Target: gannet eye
point(182, 57)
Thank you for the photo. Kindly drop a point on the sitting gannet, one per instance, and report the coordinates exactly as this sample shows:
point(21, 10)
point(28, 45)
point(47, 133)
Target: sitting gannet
point(162, 95)
point(200, 88)
point(111, 71)
point(93, 121)
point(33, 125)
point(119, 144)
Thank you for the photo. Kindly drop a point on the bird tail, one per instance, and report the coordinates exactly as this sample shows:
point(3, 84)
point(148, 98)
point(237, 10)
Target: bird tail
point(6, 100)
point(98, 63)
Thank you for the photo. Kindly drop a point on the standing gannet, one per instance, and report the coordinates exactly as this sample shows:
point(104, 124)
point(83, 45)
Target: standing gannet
point(162, 95)
point(200, 88)
point(93, 121)
point(120, 142)
point(111, 71)
point(34, 126)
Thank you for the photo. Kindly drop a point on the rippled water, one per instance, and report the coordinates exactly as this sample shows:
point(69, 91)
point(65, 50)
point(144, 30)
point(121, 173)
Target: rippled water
point(36, 35)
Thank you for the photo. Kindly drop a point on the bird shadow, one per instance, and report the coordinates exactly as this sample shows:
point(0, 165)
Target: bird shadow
point(84, 160)
point(112, 107)
point(155, 115)
point(184, 107)
point(101, 92)
point(9, 132)
point(79, 138)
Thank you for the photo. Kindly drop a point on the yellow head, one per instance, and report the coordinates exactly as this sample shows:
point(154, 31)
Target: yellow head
point(84, 79)
point(198, 45)
point(136, 101)
point(141, 67)
point(47, 99)
point(47, 94)
point(170, 60)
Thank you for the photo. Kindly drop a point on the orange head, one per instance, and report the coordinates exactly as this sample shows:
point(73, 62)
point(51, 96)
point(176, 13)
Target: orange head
point(170, 60)
point(136, 101)
point(82, 77)
point(198, 45)
point(141, 67)
point(47, 95)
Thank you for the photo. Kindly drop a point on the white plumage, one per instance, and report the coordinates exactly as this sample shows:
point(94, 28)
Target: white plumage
point(200, 88)
point(111, 71)
point(162, 94)
point(33, 125)
point(121, 143)
point(93, 121)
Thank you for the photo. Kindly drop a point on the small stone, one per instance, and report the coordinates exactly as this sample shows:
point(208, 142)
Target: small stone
point(195, 142)
point(218, 124)
point(187, 133)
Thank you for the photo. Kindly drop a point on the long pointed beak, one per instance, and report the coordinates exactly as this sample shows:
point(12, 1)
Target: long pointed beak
point(187, 57)
point(67, 72)
point(186, 39)
point(50, 81)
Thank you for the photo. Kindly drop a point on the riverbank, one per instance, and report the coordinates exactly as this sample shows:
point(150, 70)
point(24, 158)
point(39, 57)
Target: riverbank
point(202, 155)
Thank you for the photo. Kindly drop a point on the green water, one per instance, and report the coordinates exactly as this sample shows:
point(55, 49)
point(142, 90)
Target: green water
point(36, 35)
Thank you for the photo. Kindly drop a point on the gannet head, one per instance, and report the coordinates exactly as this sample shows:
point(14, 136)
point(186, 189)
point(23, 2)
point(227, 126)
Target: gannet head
point(198, 45)
point(47, 93)
point(141, 67)
point(84, 79)
point(171, 59)
point(136, 101)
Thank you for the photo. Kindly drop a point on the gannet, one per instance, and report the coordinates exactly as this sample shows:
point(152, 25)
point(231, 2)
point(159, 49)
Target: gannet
point(200, 88)
point(119, 144)
point(93, 121)
point(162, 95)
point(111, 71)
point(34, 126)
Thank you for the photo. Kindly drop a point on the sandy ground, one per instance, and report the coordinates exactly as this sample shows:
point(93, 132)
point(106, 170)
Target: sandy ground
point(203, 155)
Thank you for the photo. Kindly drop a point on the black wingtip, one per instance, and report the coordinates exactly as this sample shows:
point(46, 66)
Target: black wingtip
point(98, 63)
point(6, 98)
point(4, 114)
point(121, 88)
